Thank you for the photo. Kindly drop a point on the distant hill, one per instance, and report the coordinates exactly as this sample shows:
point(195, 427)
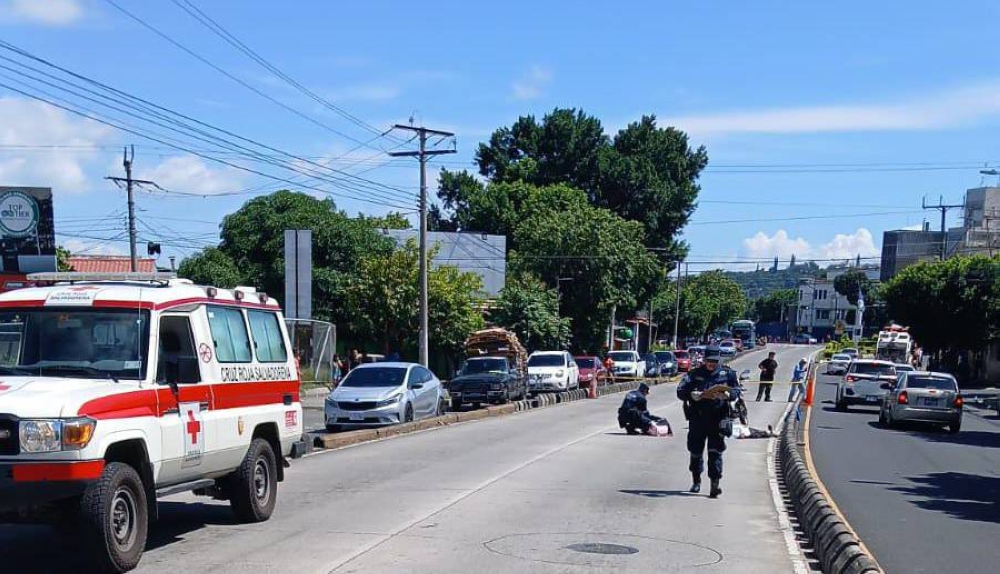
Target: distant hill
point(762, 283)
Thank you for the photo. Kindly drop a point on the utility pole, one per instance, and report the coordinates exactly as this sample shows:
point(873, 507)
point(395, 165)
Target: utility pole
point(422, 154)
point(127, 156)
point(677, 306)
point(944, 212)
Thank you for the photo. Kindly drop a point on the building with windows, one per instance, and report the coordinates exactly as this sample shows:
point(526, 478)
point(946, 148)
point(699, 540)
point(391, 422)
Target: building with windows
point(823, 312)
point(479, 253)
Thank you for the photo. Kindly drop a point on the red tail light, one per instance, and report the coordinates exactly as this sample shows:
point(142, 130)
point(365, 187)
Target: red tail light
point(850, 379)
point(903, 399)
point(959, 401)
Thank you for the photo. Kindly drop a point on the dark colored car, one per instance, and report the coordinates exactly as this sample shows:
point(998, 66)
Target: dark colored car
point(661, 364)
point(487, 380)
point(683, 360)
point(591, 371)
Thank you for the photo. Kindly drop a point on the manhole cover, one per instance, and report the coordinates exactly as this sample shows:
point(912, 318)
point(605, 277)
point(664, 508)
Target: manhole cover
point(614, 553)
point(602, 548)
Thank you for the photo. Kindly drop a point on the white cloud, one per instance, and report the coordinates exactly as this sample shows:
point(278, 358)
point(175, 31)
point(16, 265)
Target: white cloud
point(945, 109)
point(43, 12)
point(190, 174)
point(532, 85)
point(25, 122)
point(842, 246)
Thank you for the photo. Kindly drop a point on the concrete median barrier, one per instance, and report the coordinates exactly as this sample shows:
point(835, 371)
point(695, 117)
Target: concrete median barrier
point(837, 547)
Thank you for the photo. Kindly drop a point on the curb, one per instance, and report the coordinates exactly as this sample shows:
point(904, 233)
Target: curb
point(837, 548)
point(328, 441)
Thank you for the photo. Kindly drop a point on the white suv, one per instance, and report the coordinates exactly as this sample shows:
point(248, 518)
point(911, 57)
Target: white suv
point(627, 364)
point(552, 371)
point(115, 393)
point(866, 382)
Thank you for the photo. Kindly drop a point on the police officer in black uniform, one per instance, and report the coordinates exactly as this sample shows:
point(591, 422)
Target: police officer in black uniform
point(634, 415)
point(706, 416)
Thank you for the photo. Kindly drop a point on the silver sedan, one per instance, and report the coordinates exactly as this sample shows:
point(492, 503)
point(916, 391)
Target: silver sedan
point(921, 396)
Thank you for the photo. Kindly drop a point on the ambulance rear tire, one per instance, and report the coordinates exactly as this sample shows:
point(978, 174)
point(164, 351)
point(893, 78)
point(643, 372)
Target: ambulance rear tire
point(253, 487)
point(115, 518)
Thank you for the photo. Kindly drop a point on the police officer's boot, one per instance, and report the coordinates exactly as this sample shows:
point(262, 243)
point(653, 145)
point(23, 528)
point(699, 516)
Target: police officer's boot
point(716, 489)
point(695, 483)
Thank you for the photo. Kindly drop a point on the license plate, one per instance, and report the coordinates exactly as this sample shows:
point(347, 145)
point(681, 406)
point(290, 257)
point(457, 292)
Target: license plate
point(872, 398)
point(930, 402)
point(357, 416)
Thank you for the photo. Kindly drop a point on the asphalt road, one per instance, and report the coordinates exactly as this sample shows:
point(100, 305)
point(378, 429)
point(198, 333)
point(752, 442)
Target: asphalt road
point(921, 499)
point(511, 494)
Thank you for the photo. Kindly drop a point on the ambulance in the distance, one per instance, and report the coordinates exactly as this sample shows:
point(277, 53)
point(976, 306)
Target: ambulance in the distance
point(118, 390)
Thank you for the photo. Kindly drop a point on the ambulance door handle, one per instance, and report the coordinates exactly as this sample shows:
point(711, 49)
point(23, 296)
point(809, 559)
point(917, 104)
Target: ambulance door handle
point(287, 399)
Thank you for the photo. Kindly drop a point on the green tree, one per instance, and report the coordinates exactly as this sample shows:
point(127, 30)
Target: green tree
point(852, 282)
point(212, 267)
point(649, 174)
point(951, 304)
point(531, 309)
point(382, 299)
point(774, 307)
point(709, 301)
point(596, 259)
point(62, 259)
point(253, 239)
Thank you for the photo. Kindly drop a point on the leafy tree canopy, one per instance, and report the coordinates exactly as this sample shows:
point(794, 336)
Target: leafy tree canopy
point(709, 301)
point(530, 308)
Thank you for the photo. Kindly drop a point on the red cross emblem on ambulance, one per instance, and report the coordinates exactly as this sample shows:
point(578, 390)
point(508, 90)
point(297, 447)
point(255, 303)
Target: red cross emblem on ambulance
point(193, 427)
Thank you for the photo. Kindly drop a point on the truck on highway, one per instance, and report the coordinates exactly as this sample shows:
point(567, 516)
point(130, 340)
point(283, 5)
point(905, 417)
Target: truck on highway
point(495, 370)
point(745, 330)
point(894, 344)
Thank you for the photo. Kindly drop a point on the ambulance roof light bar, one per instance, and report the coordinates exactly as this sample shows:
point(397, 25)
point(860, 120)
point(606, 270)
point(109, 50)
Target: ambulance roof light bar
point(76, 277)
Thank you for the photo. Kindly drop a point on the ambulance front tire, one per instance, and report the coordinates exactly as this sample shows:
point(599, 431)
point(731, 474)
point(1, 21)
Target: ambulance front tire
point(115, 518)
point(253, 487)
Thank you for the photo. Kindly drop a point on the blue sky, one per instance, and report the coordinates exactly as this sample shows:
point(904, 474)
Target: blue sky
point(872, 105)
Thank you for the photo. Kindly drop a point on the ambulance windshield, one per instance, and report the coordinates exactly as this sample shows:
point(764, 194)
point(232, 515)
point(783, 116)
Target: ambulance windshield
point(78, 343)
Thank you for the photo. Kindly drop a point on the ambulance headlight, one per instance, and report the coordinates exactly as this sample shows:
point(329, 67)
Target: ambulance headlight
point(40, 436)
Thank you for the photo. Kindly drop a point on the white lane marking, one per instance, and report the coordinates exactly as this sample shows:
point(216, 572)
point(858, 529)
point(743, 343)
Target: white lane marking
point(330, 568)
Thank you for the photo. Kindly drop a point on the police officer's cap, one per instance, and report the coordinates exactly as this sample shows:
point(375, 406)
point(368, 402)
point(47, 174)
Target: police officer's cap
point(713, 353)
point(643, 388)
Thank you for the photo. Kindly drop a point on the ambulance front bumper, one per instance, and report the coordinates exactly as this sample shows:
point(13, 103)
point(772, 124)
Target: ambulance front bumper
point(29, 490)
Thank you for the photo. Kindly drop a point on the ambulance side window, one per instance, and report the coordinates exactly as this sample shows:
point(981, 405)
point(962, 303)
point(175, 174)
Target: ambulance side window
point(229, 335)
point(267, 339)
point(177, 359)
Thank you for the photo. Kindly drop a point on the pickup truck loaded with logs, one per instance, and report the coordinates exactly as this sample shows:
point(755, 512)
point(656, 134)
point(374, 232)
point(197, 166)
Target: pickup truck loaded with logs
point(495, 370)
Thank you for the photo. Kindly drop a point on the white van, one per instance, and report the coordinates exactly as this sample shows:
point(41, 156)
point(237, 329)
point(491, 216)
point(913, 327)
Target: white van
point(117, 390)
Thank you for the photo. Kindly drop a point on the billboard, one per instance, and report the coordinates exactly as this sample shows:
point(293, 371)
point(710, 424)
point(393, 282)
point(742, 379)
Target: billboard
point(27, 230)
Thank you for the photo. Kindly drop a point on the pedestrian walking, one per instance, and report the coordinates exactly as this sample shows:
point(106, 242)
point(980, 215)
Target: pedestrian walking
point(707, 414)
point(798, 378)
point(767, 369)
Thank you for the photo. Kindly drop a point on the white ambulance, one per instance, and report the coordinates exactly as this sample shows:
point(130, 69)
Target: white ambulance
point(118, 390)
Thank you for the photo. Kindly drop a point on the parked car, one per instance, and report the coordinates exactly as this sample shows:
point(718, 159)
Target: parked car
point(866, 382)
point(552, 371)
point(487, 380)
point(627, 364)
point(727, 348)
point(592, 371)
point(852, 352)
point(838, 364)
point(923, 397)
point(683, 360)
point(376, 394)
point(661, 364)
point(804, 339)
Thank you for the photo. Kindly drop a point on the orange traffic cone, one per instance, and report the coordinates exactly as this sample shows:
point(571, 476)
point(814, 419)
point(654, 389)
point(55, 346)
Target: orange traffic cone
point(810, 388)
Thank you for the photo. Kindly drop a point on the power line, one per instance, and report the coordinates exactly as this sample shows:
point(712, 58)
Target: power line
point(232, 40)
point(232, 77)
point(164, 139)
point(167, 115)
point(805, 217)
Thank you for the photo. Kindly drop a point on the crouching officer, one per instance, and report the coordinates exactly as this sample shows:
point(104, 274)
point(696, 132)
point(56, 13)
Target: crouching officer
point(634, 415)
point(706, 415)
